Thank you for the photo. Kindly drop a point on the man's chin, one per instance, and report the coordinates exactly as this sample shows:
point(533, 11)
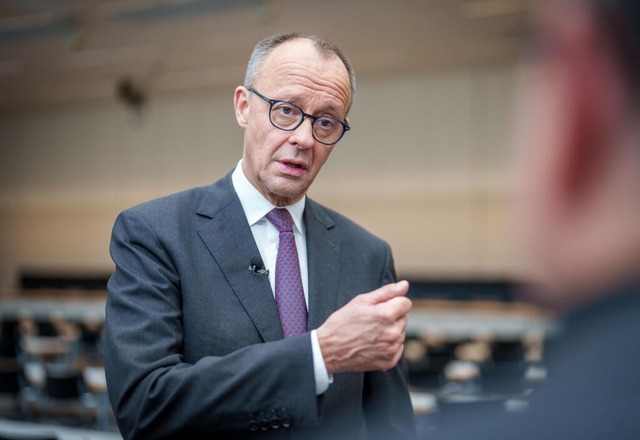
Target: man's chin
point(283, 195)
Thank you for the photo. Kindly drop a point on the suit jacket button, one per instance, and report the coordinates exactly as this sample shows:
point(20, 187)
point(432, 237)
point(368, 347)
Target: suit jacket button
point(274, 420)
point(264, 424)
point(284, 418)
point(253, 426)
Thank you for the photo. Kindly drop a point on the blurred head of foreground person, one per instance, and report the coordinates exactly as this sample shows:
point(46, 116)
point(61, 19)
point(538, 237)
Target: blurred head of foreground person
point(579, 133)
point(578, 221)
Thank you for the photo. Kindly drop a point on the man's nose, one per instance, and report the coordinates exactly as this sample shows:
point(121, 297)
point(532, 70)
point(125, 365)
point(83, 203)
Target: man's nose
point(303, 135)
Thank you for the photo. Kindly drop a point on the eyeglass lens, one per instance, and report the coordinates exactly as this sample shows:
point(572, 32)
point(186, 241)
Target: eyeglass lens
point(287, 116)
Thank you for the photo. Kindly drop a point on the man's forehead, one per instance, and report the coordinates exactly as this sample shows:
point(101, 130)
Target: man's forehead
point(302, 51)
point(299, 61)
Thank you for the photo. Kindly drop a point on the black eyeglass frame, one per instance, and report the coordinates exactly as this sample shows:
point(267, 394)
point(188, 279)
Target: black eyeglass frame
point(272, 102)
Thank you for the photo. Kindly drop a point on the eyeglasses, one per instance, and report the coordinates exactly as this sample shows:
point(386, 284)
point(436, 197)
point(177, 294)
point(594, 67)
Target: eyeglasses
point(287, 116)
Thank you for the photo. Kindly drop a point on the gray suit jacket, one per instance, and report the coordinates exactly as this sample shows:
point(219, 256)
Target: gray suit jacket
point(193, 343)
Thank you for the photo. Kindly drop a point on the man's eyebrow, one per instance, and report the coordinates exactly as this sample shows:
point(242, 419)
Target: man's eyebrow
point(328, 110)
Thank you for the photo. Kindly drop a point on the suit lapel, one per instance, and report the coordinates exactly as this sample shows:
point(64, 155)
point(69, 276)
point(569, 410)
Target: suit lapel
point(323, 259)
point(228, 238)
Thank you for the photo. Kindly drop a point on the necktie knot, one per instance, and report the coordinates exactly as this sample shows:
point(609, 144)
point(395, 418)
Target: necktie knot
point(281, 219)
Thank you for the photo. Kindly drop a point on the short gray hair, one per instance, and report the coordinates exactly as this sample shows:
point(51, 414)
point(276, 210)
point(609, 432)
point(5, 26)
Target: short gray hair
point(267, 45)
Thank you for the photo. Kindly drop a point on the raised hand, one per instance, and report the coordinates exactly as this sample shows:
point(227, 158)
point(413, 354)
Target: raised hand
point(368, 332)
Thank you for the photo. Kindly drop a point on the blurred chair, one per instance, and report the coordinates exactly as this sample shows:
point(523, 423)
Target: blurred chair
point(64, 394)
point(9, 338)
point(37, 352)
point(96, 382)
point(33, 389)
point(44, 348)
point(91, 330)
point(505, 374)
point(440, 352)
point(26, 324)
point(11, 385)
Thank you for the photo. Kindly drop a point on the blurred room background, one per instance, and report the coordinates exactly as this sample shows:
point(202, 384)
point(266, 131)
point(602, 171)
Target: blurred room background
point(108, 103)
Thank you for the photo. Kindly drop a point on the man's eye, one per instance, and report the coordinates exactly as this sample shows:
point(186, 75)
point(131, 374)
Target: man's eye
point(326, 123)
point(286, 110)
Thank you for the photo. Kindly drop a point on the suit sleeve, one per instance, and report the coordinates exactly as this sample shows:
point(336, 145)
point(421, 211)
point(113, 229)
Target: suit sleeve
point(386, 401)
point(154, 392)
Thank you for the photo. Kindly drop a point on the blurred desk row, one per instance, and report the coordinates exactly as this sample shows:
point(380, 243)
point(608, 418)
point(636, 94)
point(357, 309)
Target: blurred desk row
point(462, 354)
point(462, 320)
point(51, 359)
point(456, 319)
point(456, 351)
point(42, 304)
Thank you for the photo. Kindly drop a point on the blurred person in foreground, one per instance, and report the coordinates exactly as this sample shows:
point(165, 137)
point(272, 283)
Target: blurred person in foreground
point(578, 221)
point(236, 310)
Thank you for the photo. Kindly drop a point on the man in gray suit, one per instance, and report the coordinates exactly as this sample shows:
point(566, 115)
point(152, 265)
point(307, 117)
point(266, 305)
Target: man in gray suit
point(195, 342)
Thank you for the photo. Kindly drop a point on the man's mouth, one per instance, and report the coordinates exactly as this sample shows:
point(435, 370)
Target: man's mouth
point(295, 165)
point(291, 168)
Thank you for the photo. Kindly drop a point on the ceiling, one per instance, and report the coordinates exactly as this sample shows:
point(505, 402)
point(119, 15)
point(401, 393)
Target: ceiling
point(56, 52)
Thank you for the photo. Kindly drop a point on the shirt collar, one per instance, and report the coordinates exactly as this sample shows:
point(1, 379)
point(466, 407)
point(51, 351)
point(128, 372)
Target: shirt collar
point(254, 204)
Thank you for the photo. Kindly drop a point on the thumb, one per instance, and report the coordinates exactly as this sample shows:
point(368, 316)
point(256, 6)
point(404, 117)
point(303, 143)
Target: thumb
point(388, 291)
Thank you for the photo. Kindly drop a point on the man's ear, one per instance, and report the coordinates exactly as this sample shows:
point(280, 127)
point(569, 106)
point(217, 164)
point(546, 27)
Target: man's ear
point(241, 105)
point(592, 97)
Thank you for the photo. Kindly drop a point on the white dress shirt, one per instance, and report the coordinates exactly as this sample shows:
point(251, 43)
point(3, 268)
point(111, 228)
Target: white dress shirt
point(266, 236)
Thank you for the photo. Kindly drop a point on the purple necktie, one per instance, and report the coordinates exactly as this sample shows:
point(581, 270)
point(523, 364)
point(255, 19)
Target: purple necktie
point(289, 293)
